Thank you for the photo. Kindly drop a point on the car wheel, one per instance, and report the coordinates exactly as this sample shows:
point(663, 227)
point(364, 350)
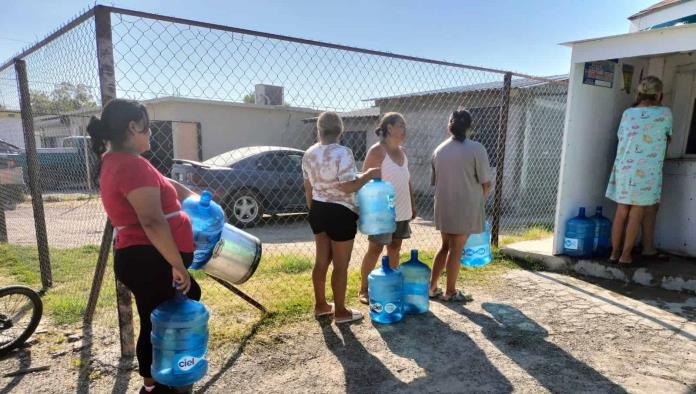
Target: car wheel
point(244, 209)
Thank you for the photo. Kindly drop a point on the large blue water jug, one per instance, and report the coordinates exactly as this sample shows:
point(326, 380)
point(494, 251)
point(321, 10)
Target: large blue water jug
point(179, 341)
point(477, 250)
point(384, 286)
point(602, 239)
point(376, 205)
point(416, 275)
point(208, 220)
point(579, 236)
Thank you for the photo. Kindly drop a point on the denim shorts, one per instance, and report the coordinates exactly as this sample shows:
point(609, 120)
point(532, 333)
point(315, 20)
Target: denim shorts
point(403, 231)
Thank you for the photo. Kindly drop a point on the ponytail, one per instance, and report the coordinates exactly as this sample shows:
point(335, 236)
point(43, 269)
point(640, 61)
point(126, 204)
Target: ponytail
point(459, 124)
point(112, 127)
point(390, 118)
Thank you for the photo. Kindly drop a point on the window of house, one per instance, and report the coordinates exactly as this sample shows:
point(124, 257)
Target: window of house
point(357, 142)
point(485, 128)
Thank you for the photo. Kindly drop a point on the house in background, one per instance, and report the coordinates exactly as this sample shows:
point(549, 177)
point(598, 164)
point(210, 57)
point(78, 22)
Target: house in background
point(11, 127)
point(534, 135)
point(192, 129)
point(604, 75)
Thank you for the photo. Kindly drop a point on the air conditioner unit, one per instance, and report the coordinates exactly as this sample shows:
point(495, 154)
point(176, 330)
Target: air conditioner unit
point(268, 94)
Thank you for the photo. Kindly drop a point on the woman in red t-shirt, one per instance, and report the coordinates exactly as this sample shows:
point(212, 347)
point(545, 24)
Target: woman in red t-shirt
point(154, 239)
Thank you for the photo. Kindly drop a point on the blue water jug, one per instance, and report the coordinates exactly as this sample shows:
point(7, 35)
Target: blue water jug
point(416, 275)
point(179, 341)
point(602, 238)
point(477, 250)
point(376, 205)
point(208, 220)
point(579, 236)
point(384, 286)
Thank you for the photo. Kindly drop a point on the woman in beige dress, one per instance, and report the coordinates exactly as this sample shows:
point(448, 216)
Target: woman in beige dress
point(461, 176)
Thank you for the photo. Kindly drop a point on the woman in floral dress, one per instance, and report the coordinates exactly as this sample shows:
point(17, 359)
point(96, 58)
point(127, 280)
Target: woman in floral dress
point(636, 179)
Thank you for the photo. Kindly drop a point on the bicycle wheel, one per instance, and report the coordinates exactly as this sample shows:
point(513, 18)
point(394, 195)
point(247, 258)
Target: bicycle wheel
point(20, 313)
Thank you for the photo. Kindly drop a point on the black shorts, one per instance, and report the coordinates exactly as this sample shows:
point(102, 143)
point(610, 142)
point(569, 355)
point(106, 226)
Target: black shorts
point(336, 220)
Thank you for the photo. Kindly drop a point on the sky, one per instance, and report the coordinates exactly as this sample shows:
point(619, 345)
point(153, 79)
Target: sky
point(515, 35)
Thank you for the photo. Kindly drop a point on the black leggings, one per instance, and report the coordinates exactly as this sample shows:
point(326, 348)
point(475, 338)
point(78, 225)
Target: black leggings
point(149, 277)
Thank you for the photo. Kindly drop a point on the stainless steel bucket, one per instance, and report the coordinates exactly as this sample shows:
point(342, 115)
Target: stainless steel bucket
point(235, 257)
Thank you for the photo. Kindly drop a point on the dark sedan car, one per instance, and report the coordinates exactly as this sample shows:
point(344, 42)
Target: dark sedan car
point(249, 182)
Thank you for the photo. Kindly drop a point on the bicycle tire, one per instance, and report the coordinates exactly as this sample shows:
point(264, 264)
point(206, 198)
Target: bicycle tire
point(35, 317)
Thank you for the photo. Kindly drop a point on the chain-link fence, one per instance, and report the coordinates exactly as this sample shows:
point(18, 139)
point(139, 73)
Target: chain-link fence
point(232, 112)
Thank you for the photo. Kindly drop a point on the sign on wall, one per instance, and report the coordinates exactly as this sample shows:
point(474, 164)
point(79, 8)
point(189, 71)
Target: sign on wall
point(599, 73)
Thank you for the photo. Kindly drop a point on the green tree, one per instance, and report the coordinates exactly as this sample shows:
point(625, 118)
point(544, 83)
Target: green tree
point(66, 97)
point(250, 98)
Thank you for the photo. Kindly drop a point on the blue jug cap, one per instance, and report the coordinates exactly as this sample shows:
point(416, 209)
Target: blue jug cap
point(599, 209)
point(414, 254)
point(385, 264)
point(206, 197)
point(581, 212)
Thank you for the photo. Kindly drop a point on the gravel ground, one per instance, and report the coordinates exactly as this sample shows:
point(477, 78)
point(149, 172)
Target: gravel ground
point(527, 332)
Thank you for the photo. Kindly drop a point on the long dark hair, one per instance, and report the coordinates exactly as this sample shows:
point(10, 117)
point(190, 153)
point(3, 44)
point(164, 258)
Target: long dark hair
point(459, 124)
point(112, 127)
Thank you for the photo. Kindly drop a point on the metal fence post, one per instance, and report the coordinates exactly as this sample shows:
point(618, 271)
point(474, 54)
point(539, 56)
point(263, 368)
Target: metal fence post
point(107, 84)
point(500, 158)
point(33, 172)
point(3, 222)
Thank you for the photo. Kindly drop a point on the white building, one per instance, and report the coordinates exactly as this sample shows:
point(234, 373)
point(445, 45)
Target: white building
point(661, 42)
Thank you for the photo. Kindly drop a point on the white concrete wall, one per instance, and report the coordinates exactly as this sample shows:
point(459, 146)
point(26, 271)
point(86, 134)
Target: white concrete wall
point(227, 126)
point(666, 14)
point(589, 143)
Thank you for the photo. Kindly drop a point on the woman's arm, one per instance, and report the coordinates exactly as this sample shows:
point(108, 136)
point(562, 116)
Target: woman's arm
point(355, 185)
point(486, 189)
point(182, 192)
point(148, 207)
point(414, 209)
point(374, 157)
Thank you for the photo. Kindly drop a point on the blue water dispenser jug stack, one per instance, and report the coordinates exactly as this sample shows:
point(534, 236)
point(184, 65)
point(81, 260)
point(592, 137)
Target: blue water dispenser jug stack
point(385, 286)
point(376, 204)
point(579, 236)
point(602, 238)
point(416, 275)
point(208, 220)
point(179, 341)
point(477, 250)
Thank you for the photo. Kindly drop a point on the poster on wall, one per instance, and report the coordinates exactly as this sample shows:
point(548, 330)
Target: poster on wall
point(599, 74)
point(627, 70)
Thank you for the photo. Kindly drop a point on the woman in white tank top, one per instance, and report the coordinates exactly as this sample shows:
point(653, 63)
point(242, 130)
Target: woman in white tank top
point(389, 155)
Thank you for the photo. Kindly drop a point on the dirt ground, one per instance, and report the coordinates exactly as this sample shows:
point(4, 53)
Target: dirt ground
point(528, 332)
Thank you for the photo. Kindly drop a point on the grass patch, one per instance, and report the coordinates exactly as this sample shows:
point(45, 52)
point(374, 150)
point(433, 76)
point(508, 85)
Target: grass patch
point(67, 197)
point(72, 272)
point(282, 283)
point(531, 233)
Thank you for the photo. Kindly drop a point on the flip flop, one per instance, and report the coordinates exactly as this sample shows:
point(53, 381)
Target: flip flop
point(364, 298)
point(459, 296)
point(435, 294)
point(355, 316)
point(322, 314)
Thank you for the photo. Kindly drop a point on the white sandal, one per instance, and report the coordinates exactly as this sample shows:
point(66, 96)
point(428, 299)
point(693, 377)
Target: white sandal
point(355, 316)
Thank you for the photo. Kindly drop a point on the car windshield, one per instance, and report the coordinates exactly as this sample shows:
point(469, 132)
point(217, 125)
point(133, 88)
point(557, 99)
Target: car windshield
point(227, 159)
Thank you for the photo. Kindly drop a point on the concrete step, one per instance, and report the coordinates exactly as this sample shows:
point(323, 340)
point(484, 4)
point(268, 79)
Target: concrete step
point(677, 274)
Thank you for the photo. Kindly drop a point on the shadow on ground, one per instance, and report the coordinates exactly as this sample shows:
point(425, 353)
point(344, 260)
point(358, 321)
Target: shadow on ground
point(524, 342)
